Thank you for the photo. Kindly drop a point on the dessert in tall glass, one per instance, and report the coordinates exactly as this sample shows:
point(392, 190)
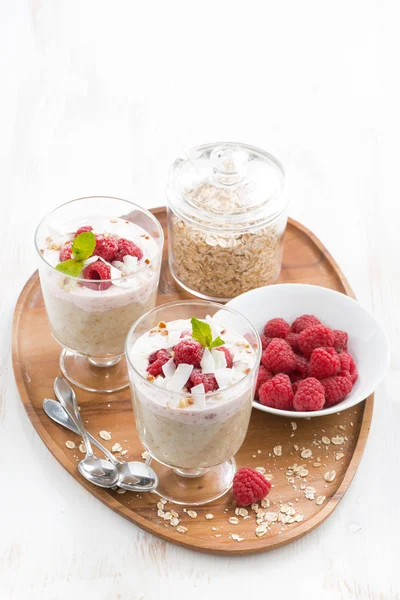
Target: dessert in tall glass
point(192, 367)
point(99, 266)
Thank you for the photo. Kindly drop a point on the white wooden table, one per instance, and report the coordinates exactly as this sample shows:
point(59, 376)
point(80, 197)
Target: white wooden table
point(99, 98)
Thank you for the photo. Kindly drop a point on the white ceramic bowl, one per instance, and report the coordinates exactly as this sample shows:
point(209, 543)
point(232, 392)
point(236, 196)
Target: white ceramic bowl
point(368, 343)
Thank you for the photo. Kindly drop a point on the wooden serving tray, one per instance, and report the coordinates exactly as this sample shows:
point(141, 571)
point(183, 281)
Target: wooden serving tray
point(35, 359)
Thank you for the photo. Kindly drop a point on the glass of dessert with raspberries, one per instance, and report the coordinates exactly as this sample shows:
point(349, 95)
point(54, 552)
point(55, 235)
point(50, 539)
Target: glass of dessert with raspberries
point(99, 267)
point(192, 367)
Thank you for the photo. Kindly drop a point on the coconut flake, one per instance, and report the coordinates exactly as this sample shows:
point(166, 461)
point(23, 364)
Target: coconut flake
point(223, 377)
point(199, 396)
point(169, 368)
point(219, 358)
point(179, 378)
point(207, 362)
point(130, 263)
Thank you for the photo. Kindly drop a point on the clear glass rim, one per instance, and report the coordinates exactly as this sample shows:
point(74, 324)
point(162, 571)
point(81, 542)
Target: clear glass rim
point(202, 303)
point(82, 279)
point(173, 194)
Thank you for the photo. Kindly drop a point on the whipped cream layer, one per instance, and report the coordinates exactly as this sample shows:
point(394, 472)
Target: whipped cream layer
point(212, 362)
point(132, 280)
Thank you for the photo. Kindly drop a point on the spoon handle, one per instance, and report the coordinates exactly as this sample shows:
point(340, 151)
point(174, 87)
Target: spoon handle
point(62, 383)
point(61, 415)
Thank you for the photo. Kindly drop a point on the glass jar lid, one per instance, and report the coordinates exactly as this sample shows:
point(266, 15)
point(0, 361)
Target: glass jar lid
point(227, 185)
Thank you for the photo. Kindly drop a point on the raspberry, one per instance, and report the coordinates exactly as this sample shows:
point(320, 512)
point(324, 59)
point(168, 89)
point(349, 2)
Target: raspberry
point(336, 389)
point(301, 364)
point(295, 377)
point(347, 364)
point(97, 271)
point(279, 357)
point(228, 356)
point(292, 340)
point(249, 486)
point(262, 376)
point(303, 322)
point(277, 393)
point(207, 379)
point(340, 342)
point(295, 385)
point(313, 337)
point(189, 352)
point(83, 229)
point(265, 341)
point(324, 362)
point(66, 251)
point(277, 328)
point(157, 360)
point(310, 395)
point(106, 247)
point(127, 248)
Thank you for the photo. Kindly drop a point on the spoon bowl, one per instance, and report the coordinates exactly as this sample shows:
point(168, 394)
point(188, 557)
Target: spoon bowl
point(99, 471)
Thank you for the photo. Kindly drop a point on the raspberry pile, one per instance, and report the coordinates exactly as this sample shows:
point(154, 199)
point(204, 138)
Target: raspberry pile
point(305, 366)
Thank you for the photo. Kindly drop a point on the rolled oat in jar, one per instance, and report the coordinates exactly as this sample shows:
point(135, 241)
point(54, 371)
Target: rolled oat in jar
point(227, 213)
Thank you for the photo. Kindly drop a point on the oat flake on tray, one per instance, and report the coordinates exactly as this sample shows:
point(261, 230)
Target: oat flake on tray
point(227, 216)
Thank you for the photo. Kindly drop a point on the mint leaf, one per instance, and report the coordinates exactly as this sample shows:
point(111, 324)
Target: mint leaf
point(203, 334)
point(217, 342)
point(70, 267)
point(84, 245)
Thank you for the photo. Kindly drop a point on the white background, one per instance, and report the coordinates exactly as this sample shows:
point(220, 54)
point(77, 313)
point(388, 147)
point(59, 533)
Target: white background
point(99, 98)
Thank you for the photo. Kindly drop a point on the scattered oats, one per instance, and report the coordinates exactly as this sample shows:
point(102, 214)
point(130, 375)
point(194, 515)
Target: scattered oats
point(71, 445)
point(181, 529)
point(338, 440)
point(265, 503)
point(235, 537)
point(298, 518)
point(217, 535)
point(192, 514)
point(214, 528)
point(160, 513)
point(259, 451)
point(82, 448)
point(320, 500)
point(121, 491)
point(124, 452)
point(284, 508)
point(342, 427)
point(316, 464)
point(209, 516)
point(114, 488)
point(309, 492)
point(302, 472)
point(254, 507)
point(306, 453)
point(269, 476)
point(168, 516)
point(261, 530)
point(271, 516)
point(277, 450)
point(160, 506)
point(145, 455)
point(163, 501)
point(351, 423)
point(116, 448)
point(174, 521)
point(330, 476)
point(174, 513)
point(105, 435)
point(242, 512)
point(339, 455)
point(295, 446)
point(233, 520)
point(260, 470)
point(293, 425)
point(325, 440)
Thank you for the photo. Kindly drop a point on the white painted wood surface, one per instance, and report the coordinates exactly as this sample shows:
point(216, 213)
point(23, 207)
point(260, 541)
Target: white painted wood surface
point(99, 98)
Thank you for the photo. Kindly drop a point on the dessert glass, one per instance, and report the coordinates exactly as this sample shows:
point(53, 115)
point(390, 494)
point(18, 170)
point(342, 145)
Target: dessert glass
point(227, 204)
point(91, 324)
point(193, 447)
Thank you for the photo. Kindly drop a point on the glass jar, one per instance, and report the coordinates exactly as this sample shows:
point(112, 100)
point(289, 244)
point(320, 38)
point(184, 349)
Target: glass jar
point(227, 213)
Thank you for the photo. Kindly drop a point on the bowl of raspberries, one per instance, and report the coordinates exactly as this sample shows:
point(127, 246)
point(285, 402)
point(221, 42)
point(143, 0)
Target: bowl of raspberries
point(321, 350)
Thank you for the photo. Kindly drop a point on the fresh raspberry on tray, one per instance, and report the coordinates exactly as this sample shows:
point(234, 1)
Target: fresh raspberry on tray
point(249, 486)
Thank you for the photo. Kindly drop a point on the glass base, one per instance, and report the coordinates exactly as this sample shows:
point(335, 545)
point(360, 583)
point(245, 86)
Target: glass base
point(194, 487)
point(105, 375)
